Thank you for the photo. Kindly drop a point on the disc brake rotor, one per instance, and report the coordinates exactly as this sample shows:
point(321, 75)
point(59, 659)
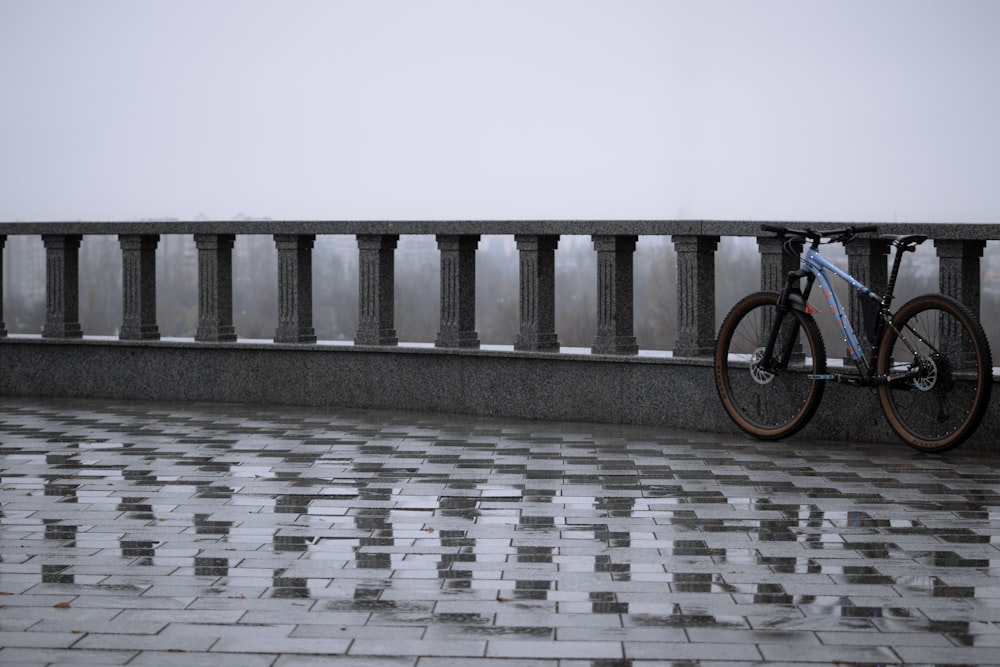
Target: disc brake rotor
point(759, 375)
point(928, 377)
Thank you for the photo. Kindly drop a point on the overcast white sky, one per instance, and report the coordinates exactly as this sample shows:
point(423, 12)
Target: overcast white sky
point(443, 109)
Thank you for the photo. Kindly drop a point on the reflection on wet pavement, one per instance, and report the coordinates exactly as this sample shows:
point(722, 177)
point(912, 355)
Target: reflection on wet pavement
point(157, 533)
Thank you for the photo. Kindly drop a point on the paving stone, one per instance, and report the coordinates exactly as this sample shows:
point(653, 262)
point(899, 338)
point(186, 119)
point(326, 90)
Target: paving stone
point(745, 653)
point(145, 642)
point(37, 639)
point(247, 535)
point(49, 656)
point(268, 645)
point(403, 647)
point(593, 650)
point(193, 659)
point(876, 655)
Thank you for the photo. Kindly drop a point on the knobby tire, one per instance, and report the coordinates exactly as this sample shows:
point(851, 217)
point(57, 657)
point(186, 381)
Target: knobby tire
point(763, 405)
point(940, 409)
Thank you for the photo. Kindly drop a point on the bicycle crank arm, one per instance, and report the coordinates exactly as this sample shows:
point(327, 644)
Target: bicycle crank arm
point(896, 377)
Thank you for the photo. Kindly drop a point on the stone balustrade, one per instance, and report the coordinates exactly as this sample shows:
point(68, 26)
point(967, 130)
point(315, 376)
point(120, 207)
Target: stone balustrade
point(959, 249)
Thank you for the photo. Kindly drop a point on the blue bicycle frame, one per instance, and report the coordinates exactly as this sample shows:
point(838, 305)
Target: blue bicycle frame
point(817, 265)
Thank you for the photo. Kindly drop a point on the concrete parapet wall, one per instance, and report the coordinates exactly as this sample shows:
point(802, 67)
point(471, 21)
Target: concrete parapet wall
point(643, 389)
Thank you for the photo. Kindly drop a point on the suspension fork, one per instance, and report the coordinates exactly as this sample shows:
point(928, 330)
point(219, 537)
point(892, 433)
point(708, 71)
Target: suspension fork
point(792, 297)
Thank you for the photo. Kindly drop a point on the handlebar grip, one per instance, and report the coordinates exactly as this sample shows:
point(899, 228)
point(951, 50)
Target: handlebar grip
point(777, 229)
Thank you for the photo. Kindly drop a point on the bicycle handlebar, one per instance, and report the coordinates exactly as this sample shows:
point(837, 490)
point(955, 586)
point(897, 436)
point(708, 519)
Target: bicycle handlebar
point(837, 235)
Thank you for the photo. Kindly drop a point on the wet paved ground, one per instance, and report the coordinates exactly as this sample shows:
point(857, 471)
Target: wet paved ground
point(180, 534)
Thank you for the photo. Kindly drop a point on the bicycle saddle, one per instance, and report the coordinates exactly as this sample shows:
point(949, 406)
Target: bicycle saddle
point(903, 239)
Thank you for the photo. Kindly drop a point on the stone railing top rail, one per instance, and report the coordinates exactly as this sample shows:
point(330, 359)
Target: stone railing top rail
point(964, 231)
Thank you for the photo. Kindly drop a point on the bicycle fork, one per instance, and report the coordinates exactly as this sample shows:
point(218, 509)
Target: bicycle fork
point(791, 297)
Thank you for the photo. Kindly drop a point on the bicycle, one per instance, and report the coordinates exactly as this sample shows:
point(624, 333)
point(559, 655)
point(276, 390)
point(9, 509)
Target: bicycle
point(929, 360)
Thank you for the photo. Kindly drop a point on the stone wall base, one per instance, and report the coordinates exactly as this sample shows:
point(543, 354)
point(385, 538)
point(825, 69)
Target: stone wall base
point(646, 390)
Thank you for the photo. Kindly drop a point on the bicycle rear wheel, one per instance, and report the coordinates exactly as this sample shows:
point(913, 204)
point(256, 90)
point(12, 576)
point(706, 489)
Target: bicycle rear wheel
point(938, 337)
point(768, 405)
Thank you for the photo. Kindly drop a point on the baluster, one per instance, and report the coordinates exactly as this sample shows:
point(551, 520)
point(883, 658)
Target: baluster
point(3, 242)
point(458, 290)
point(615, 318)
point(695, 295)
point(775, 263)
point(958, 277)
point(867, 260)
point(295, 302)
point(139, 286)
point(62, 286)
point(376, 289)
point(537, 287)
point(958, 270)
point(215, 287)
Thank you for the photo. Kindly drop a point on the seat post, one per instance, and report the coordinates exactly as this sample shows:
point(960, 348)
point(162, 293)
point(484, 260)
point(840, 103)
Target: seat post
point(890, 287)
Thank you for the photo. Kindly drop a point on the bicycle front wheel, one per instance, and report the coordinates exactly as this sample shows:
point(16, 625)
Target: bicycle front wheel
point(942, 347)
point(768, 405)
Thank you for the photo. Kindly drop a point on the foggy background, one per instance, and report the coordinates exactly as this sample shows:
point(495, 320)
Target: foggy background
point(509, 109)
point(836, 110)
